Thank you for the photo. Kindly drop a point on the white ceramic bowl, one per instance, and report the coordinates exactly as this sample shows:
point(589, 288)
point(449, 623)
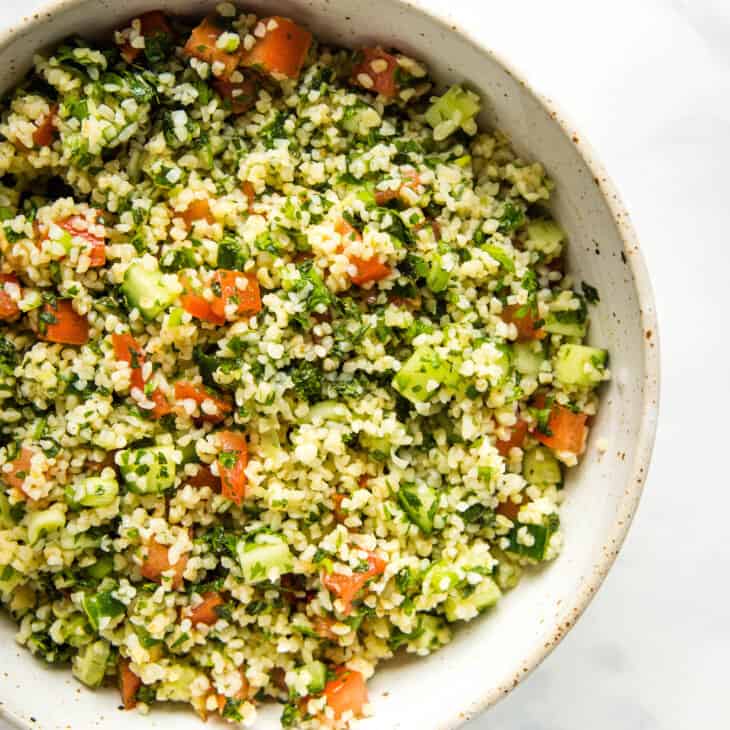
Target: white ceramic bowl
point(488, 657)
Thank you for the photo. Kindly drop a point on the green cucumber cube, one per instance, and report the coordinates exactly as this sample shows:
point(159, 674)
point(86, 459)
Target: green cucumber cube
point(44, 522)
point(580, 365)
point(452, 111)
point(424, 368)
point(145, 289)
point(484, 596)
point(89, 665)
point(259, 556)
point(420, 503)
point(545, 236)
point(148, 470)
point(102, 605)
point(92, 492)
point(528, 357)
point(541, 468)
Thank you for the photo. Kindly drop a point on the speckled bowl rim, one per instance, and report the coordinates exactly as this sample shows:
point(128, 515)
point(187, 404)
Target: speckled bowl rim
point(651, 386)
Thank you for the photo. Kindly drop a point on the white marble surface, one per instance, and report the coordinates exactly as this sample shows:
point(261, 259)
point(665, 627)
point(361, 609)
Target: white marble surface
point(648, 82)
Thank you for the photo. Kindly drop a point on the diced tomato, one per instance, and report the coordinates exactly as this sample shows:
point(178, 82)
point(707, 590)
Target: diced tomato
point(9, 294)
point(519, 432)
point(568, 430)
point(385, 196)
point(205, 612)
point(61, 323)
point(249, 298)
point(339, 514)
point(368, 270)
point(185, 390)
point(162, 405)
point(152, 24)
point(347, 691)
point(129, 683)
point(204, 477)
point(46, 129)
point(202, 45)
point(128, 350)
point(19, 471)
point(322, 626)
point(282, 50)
point(199, 307)
point(232, 463)
point(226, 282)
point(76, 225)
point(250, 193)
point(510, 509)
point(346, 587)
point(522, 318)
point(241, 94)
point(380, 67)
point(157, 562)
point(199, 209)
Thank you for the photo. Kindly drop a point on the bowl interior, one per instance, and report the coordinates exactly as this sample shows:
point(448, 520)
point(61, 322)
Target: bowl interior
point(488, 656)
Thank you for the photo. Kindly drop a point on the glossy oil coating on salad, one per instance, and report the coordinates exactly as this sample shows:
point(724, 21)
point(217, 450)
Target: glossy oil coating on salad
point(290, 366)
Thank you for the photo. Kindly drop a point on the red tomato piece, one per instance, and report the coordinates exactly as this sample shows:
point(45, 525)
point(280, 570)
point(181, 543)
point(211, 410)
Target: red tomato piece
point(199, 209)
point(524, 321)
point(282, 50)
point(76, 225)
point(380, 68)
point(202, 45)
point(519, 432)
point(185, 390)
point(61, 323)
point(347, 691)
point(346, 587)
point(232, 463)
point(157, 562)
point(241, 94)
point(10, 292)
point(19, 471)
point(205, 612)
point(129, 683)
point(152, 24)
point(45, 130)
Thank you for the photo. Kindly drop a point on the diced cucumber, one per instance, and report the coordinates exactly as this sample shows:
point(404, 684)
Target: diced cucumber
point(580, 365)
point(176, 317)
point(178, 688)
point(528, 357)
point(102, 605)
point(500, 256)
point(568, 322)
point(6, 517)
point(259, 556)
point(441, 577)
point(75, 630)
point(328, 410)
point(145, 289)
point(376, 445)
point(545, 236)
point(360, 119)
point(484, 596)
point(148, 470)
point(89, 665)
point(504, 362)
point(433, 632)
point(541, 468)
point(419, 502)
point(540, 538)
point(452, 110)
point(92, 492)
point(422, 369)
point(44, 522)
point(437, 278)
point(101, 568)
point(316, 676)
point(10, 579)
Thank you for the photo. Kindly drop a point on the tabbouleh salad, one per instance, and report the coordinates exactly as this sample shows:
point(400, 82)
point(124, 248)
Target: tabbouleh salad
point(290, 366)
